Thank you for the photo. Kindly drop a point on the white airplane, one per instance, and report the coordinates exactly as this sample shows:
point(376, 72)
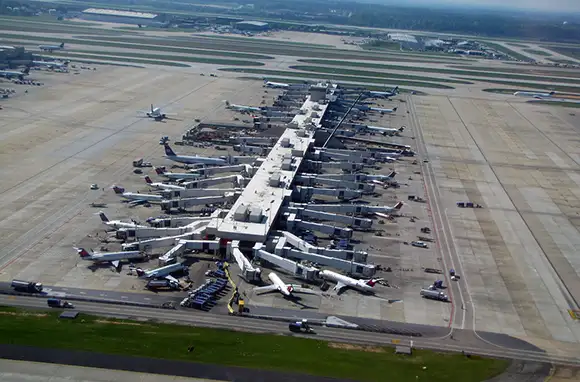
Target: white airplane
point(162, 273)
point(377, 94)
point(162, 186)
point(343, 281)
point(118, 223)
point(155, 113)
point(112, 257)
point(51, 48)
point(534, 94)
point(278, 285)
point(276, 85)
point(170, 154)
point(177, 176)
point(386, 130)
point(50, 64)
point(14, 73)
point(390, 210)
point(242, 108)
point(382, 110)
point(137, 198)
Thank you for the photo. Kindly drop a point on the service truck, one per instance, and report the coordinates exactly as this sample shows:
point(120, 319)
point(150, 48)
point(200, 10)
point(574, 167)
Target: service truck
point(301, 327)
point(434, 295)
point(26, 286)
point(58, 303)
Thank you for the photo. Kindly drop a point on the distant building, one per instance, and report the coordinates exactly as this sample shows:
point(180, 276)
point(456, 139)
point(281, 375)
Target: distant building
point(257, 26)
point(402, 37)
point(120, 17)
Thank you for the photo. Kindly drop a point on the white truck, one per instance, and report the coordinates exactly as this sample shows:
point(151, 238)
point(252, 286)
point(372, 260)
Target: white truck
point(434, 294)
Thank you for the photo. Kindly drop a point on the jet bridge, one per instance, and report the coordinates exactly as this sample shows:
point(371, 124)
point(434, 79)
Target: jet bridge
point(295, 241)
point(327, 216)
point(222, 169)
point(306, 193)
point(248, 272)
point(324, 155)
point(196, 192)
point(249, 149)
point(318, 166)
point(146, 245)
point(290, 266)
point(357, 209)
point(236, 180)
point(256, 141)
point(354, 268)
point(293, 224)
point(186, 203)
point(174, 222)
point(313, 179)
point(140, 233)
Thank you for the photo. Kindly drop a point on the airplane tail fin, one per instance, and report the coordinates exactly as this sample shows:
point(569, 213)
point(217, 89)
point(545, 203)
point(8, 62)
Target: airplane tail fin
point(227, 103)
point(371, 282)
point(396, 89)
point(62, 45)
point(552, 92)
point(140, 272)
point(394, 109)
point(159, 170)
point(148, 180)
point(169, 151)
point(83, 252)
point(104, 217)
point(290, 289)
point(152, 108)
point(26, 70)
point(118, 190)
point(402, 127)
point(398, 206)
point(391, 175)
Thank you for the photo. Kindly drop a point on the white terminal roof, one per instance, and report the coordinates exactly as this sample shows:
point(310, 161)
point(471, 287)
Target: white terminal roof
point(262, 192)
point(114, 12)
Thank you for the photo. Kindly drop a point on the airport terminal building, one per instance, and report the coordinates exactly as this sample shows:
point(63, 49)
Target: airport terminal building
point(121, 17)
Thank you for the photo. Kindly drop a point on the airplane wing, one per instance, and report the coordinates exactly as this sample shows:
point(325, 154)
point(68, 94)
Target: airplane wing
point(265, 289)
point(115, 263)
point(339, 286)
point(171, 278)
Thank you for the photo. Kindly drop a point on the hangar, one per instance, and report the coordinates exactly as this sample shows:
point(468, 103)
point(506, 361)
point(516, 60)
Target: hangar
point(121, 17)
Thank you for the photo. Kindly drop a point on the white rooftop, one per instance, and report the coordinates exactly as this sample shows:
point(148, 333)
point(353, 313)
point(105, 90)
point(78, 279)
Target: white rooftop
point(114, 12)
point(271, 184)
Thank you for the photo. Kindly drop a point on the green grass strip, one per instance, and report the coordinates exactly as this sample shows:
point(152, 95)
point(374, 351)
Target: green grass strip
point(365, 73)
point(224, 347)
point(73, 56)
point(545, 87)
point(312, 76)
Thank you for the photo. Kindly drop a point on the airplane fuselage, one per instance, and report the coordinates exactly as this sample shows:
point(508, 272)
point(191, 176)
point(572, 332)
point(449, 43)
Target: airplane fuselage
point(349, 282)
point(281, 285)
point(113, 256)
point(136, 196)
point(196, 160)
point(163, 271)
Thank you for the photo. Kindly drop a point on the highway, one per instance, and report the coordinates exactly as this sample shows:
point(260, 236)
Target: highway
point(463, 340)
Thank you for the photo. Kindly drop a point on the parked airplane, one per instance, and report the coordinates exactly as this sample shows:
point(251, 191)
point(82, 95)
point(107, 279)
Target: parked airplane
point(386, 130)
point(162, 273)
point(155, 113)
point(534, 94)
point(176, 176)
point(14, 73)
point(382, 110)
point(118, 223)
point(280, 286)
point(111, 257)
point(137, 198)
point(343, 281)
point(377, 94)
point(170, 154)
point(50, 64)
point(51, 48)
point(162, 186)
point(276, 85)
point(242, 108)
point(390, 210)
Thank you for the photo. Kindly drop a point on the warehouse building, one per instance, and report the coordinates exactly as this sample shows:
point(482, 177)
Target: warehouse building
point(121, 17)
point(256, 26)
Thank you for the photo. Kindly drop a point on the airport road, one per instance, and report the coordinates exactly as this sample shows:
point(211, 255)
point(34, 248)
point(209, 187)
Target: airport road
point(461, 316)
point(464, 341)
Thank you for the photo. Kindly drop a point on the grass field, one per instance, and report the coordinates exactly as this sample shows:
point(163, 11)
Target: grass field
point(517, 45)
point(159, 48)
point(225, 347)
point(509, 52)
point(483, 72)
point(312, 76)
point(566, 51)
point(50, 27)
point(331, 71)
point(271, 41)
point(573, 105)
point(47, 19)
point(524, 85)
point(537, 52)
point(201, 60)
point(94, 58)
point(529, 69)
point(261, 47)
point(500, 90)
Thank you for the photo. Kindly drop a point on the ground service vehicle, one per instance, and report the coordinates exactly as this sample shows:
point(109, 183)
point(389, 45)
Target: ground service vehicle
point(58, 303)
point(434, 295)
point(26, 286)
point(300, 327)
